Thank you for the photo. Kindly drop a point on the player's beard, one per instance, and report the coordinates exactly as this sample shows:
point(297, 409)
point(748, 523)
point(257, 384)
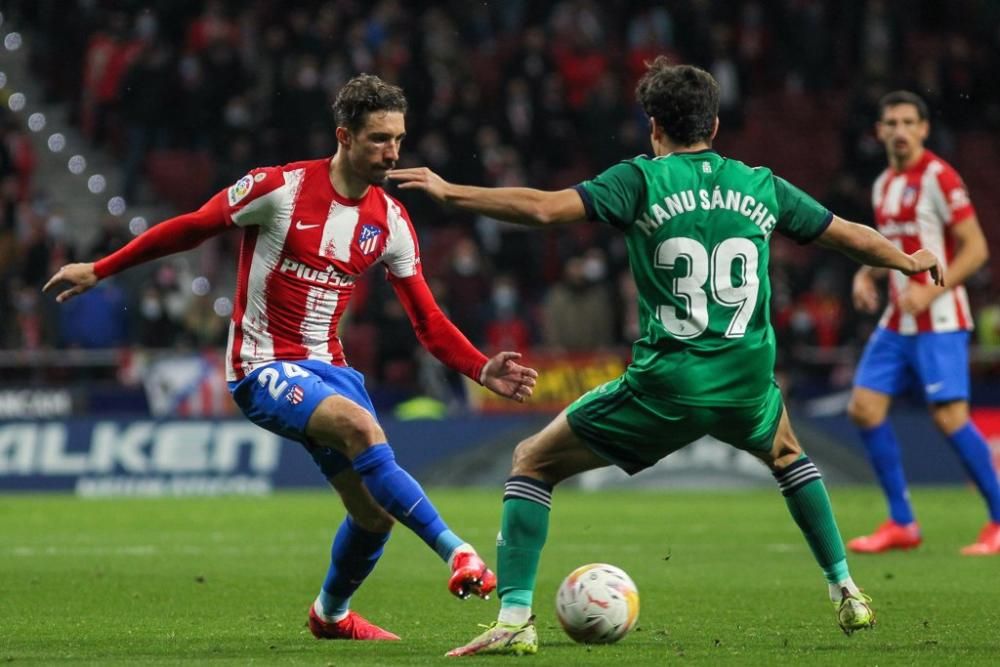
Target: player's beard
point(378, 173)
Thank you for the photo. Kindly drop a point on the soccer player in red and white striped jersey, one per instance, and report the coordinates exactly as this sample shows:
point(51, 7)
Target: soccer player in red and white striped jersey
point(309, 230)
point(920, 202)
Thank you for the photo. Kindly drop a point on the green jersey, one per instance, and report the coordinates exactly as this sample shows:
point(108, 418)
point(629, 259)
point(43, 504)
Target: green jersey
point(697, 227)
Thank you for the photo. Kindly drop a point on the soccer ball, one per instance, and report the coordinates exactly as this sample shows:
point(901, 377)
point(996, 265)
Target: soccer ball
point(597, 604)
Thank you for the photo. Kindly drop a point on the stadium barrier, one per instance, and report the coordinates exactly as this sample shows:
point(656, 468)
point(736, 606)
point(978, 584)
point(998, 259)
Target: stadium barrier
point(143, 457)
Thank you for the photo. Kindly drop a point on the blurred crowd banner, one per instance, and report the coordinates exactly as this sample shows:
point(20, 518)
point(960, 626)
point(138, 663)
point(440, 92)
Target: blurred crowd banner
point(562, 378)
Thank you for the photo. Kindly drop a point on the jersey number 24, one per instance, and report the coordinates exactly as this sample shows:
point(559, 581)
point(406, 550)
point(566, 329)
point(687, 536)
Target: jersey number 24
point(717, 272)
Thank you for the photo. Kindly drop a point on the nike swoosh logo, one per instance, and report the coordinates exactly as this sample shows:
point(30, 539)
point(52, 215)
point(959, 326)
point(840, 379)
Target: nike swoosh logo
point(299, 225)
point(410, 511)
point(934, 388)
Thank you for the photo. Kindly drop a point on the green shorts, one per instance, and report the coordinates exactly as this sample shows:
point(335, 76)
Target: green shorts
point(635, 430)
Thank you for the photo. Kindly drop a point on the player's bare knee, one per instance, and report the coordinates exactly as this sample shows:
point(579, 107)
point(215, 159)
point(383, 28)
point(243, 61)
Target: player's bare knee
point(950, 417)
point(863, 414)
point(523, 462)
point(346, 426)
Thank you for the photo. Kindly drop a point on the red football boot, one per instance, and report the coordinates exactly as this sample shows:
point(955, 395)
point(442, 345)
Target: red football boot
point(352, 626)
point(470, 576)
point(988, 543)
point(890, 535)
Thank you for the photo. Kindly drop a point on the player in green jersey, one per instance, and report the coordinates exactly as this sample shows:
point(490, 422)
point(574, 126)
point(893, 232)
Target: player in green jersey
point(697, 227)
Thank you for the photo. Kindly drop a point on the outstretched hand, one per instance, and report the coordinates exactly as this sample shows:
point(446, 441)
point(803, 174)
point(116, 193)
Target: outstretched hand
point(504, 376)
point(925, 260)
point(81, 276)
point(421, 178)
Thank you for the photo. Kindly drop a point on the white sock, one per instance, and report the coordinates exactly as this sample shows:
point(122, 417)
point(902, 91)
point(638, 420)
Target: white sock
point(463, 547)
point(318, 605)
point(835, 589)
point(514, 615)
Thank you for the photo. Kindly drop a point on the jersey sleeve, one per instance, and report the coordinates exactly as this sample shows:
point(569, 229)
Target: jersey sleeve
point(614, 195)
point(256, 198)
point(800, 217)
point(954, 204)
point(402, 253)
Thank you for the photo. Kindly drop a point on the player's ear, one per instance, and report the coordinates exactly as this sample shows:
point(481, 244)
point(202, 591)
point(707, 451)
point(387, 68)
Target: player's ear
point(344, 137)
point(715, 130)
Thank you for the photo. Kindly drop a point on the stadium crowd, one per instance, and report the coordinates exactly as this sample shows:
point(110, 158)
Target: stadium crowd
point(501, 93)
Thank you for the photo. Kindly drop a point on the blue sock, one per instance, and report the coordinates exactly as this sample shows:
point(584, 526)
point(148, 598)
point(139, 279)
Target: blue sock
point(976, 458)
point(399, 494)
point(883, 452)
point(446, 543)
point(352, 558)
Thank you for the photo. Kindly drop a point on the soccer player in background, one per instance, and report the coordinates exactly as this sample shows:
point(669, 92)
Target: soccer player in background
point(309, 230)
point(920, 202)
point(697, 227)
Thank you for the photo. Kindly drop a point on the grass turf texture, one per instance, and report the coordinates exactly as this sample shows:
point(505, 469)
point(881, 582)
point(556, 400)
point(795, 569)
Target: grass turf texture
point(724, 578)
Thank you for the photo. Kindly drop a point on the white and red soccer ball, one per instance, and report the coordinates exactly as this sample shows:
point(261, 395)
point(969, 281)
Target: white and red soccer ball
point(597, 604)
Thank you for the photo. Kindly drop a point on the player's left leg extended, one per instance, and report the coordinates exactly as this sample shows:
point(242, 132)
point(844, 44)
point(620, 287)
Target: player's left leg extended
point(351, 429)
point(809, 504)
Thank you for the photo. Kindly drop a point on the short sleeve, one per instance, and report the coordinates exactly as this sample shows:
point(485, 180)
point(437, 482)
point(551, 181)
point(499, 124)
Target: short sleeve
point(956, 205)
point(800, 217)
point(255, 198)
point(614, 195)
point(402, 253)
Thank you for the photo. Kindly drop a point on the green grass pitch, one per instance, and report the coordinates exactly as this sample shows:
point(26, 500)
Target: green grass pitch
point(724, 579)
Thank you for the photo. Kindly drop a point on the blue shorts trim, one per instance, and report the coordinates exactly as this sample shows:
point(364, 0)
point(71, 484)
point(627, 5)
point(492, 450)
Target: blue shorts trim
point(281, 397)
point(937, 363)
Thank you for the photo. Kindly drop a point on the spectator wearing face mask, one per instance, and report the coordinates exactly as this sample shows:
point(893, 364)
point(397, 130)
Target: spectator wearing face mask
point(583, 295)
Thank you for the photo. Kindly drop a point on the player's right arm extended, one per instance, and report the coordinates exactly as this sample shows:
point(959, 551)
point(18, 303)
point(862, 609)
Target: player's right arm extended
point(526, 206)
point(867, 246)
point(170, 236)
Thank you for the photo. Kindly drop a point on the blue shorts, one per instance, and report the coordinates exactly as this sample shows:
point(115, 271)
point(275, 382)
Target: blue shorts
point(939, 362)
point(282, 396)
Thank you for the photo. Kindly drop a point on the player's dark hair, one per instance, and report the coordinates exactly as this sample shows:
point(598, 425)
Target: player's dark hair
point(897, 97)
point(683, 99)
point(361, 96)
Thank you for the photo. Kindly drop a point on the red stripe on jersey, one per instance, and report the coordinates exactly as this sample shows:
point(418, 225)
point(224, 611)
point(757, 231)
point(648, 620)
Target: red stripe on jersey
point(247, 246)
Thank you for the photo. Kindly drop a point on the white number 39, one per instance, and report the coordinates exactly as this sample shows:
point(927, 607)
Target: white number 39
point(718, 273)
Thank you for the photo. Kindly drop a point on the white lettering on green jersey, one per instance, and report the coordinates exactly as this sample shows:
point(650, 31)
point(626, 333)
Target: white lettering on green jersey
point(697, 227)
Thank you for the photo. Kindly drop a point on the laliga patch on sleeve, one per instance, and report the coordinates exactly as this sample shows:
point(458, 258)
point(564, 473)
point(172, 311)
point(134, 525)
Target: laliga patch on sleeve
point(240, 190)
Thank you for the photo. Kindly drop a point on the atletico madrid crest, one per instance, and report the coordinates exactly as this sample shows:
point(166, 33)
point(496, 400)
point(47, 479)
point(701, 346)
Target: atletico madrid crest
point(295, 394)
point(368, 239)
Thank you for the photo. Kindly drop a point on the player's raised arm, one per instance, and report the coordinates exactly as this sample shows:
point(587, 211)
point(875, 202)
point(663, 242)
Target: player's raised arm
point(867, 246)
point(170, 236)
point(526, 206)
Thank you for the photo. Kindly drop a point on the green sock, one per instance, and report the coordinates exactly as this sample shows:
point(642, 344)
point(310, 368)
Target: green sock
point(809, 504)
point(523, 529)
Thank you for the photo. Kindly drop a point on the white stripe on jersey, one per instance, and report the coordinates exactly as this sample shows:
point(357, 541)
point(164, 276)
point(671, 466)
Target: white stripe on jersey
point(400, 252)
point(338, 232)
point(257, 342)
point(315, 328)
point(931, 209)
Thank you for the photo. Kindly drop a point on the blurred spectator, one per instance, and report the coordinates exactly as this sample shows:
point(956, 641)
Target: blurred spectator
point(578, 311)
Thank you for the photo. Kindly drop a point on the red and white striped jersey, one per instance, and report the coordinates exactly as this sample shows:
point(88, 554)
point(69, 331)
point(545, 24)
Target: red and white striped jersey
point(915, 209)
point(303, 248)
